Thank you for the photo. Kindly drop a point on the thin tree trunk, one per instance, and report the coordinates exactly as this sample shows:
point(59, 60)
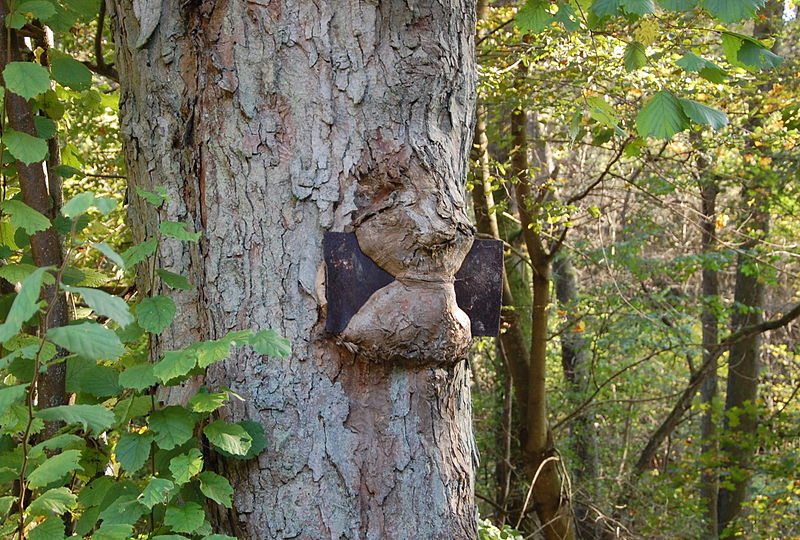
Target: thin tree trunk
point(742, 388)
point(541, 460)
point(268, 124)
point(710, 323)
point(575, 363)
point(46, 245)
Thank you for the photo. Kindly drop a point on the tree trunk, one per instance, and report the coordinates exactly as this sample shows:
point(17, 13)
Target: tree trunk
point(46, 246)
point(737, 446)
point(709, 319)
point(270, 123)
point(541, 460)
point(575, 364)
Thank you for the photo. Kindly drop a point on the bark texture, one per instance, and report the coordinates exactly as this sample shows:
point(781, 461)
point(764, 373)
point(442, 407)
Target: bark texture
point(268, 123)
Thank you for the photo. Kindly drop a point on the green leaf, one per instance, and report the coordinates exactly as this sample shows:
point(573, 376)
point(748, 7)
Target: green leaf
point(19, 272)
point(710, 71)
point(105, 205)
point(731, 43)
point(187, 518)
point(50, 529)
point(105, 304)
point(26, 79)
point(110, 254)
point(155, 314)
point(84, 8)
point(231, 438)
point(86, 376)
point(10, 395)
point(114, 531)
point(55, 443)
point(184, 466)
point(53, 502)
point(156, 492)
point(138, 253)
point(606, 8)
point(174, 364)
point(65, 171)
point(6, 503)
point(635, 56)
point(25, 217)
point(45, 128)
point(176, 281)
point(757, 57)
point(70, 73)
point(55, 468)
point(534, 16)
point(661, 117)
point(204, 402)
point(566, 15)
point(601, 111)
point(216, 487)
point(37, 9)
point(156, 199)
point(15, 20)
point(172, 425)
point(133, 449)
point(256, 431)
point(94, 418)
point(25, 305)
point(26, 148)
point(638, 7)
point(90, 340)
point(177, 230)
point(138, 377)
point(731, 11)
point(678, 5)
point(210, 352)
point(126, 509)
point(703, 114)
point(219, 537)
point(270, 343)
point(78, 205)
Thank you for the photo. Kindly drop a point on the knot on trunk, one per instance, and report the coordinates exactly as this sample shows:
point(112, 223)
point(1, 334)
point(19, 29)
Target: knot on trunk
point(420, 240)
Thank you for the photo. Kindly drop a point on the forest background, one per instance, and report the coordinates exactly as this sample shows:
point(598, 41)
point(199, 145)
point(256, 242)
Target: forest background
point(639, 162)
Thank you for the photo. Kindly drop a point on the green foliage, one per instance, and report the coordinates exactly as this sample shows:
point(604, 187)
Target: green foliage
point(661, 117)
point(26, 79)
point(26, 148)
point(116, 455)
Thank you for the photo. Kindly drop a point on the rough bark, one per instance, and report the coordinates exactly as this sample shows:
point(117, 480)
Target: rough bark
point(269, 123)
point(46, 246)
point(575, 364)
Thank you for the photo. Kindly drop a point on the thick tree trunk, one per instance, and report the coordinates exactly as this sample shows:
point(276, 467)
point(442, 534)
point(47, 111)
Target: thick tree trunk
point(270, 123)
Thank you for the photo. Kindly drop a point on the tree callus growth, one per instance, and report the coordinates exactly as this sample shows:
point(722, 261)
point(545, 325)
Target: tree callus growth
point(420, 238)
